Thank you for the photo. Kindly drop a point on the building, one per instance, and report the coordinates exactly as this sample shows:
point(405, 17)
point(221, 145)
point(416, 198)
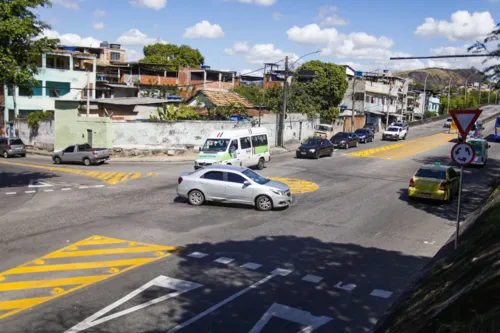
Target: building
point(62, 74)
point(204, 78)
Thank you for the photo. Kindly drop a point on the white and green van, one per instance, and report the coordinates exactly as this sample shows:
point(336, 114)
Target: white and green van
point(245, 147)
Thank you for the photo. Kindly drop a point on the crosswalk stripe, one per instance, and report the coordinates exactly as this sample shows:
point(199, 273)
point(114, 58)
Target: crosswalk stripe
point(116, 178)
point(20, 285)
point(77, 266)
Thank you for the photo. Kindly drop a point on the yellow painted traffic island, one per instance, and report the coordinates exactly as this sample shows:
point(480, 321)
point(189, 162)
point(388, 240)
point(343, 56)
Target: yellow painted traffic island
point(297, 186)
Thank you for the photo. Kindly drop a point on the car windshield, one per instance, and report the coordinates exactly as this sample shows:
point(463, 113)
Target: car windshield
point(340, 136)
point(16, 142)
point(313, 142)
point(255, 177)
point(431, 173)
point(449, 119)
point(393, 129)
point(498, 122)
point(361, 131)
point(323, 128)
point(217, 145)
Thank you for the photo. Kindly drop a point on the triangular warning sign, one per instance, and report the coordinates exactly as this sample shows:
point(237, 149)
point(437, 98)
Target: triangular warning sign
point(465, 119)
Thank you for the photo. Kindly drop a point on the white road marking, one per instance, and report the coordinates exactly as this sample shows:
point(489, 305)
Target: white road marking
point(381, 293)
point(346, 287)
point(66, 189)
point(180, 287)
point(83, 187)
point(97, 186)
point(28, 192)
point(10, 193)
point(430, 243)
point(251, 265)
point(291, 314)
point(39, 183)
point(48, 190)
point(197, 255)
point(225, 301)
point(312, 278)
point(281, 271)
point(224, 260)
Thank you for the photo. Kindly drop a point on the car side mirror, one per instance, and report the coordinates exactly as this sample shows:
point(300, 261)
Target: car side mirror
point(247, 183)
point(199, 148)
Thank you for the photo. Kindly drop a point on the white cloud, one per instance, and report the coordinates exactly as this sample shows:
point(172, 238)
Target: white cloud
point(463, 26)
point(99, 12)
point(259, 2)
point(70, 39)
point(312, 34)
point(137, 38)
point(238, 48)
point(262, 53)
point(153, 4)
point(98, 25)
point(133, 55)
point(204, 29)
point(277, 16)
point(328, 16)
point(252, 72)
point(71, 4)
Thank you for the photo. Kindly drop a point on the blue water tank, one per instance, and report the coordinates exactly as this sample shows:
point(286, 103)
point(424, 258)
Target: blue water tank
point(205, 67)
point(67, 48)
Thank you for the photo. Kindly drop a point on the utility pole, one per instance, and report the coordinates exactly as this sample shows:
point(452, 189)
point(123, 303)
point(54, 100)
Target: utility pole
point(353, 102)
point(425, 94)
point(449, 87)
point(282, 118)
point(88, 93)
point(388, 103)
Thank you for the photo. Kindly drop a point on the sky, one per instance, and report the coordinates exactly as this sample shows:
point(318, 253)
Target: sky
point(241, 35)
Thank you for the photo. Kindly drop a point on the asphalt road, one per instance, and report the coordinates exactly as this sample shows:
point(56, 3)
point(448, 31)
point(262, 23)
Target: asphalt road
point(134, 258)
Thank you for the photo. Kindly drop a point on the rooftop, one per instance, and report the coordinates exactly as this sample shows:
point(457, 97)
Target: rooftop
point(72, 52)
point(134, 100)
point(225, 98)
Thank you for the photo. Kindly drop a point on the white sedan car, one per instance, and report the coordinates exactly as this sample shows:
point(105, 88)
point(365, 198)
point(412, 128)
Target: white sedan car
point(233, 184)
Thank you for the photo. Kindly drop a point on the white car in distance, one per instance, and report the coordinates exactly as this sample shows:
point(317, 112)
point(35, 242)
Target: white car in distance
point(233, 184)
point(395, 133)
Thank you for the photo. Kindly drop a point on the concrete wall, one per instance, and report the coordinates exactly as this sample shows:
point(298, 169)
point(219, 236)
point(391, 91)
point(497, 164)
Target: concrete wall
point(42, 138)
point(137, 134)
point(70, 128)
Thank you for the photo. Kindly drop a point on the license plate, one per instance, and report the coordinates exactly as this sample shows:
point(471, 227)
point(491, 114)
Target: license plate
point(425, 195)
point(18, 148)
point(303, 153)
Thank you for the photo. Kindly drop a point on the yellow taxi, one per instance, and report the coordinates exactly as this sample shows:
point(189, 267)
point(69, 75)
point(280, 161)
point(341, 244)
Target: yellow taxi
point(434, 181)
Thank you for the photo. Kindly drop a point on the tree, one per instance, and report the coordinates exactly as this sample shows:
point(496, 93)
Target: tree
point(171, 113)
point(252, 92)
point(493, 71)
point(19, 29)
point(172, 55)
point(322, 94)
point(226, 112)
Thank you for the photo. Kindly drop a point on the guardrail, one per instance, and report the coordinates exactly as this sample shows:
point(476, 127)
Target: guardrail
point(444, 116)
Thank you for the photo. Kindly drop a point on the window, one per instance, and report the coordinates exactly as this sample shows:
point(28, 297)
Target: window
point(57, 89)
point(115, 56)
point(259, 140)
point(214, 175)
point(367, 99)
point(255, 177)
point(431, 173)
point(245, 143)
point(197, 76)
point(235, 144)
point(16, 142)
point(70, 149)
point(234, 178)
point(84, 147)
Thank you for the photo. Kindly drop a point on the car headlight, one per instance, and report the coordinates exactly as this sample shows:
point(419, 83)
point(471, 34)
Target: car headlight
point(278, 192)
point(342, 141)
point(298, 149)
point(312, 150)
point(216, 162)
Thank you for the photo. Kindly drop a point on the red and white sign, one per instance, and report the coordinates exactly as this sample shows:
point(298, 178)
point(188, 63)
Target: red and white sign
point(465, 119)
point(463, 153)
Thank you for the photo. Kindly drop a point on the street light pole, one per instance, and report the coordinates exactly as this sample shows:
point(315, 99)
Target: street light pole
point(353, 102)
point(425, 96)
point(282, 118)
point(465, 88)
point(449, 88)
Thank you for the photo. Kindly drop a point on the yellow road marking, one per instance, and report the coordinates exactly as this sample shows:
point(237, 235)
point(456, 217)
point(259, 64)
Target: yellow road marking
point(20, 285)
point(409, 148)
point(25, 282)
point(297, 186)
point(112, 178)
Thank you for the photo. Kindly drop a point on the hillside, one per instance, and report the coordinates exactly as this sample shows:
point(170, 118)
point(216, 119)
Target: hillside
point(439, 77)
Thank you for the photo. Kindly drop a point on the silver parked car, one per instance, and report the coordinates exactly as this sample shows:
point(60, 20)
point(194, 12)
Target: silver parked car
point(12, 147)
point(233, 184)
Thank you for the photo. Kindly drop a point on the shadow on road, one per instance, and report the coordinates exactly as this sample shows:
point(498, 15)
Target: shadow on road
point(353, 311)
point(477, 185)
point(19, 179)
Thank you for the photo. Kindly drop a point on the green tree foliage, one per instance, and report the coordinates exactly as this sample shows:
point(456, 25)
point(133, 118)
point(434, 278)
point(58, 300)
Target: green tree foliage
point(173, 55)
point(491, 46)
point(274, 98)
point(34, 118)
point(19, 26)
point(252, 92)
point(226, 112)
point(323, 94)
point(172, 113)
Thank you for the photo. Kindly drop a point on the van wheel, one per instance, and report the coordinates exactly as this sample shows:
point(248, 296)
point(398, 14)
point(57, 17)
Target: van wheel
point(264, 203)
point(196, 198)
point(86, 162)
point(261, 164)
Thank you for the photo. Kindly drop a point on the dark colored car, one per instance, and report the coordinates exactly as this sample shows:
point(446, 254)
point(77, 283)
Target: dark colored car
point(315, 147)
point(345, 140)
point(365, 135)
point(371, 126)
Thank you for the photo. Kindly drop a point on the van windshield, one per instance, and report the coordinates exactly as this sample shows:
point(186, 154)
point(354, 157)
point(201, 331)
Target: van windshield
point(215, 145)
point(498, 122)
point(478, 147)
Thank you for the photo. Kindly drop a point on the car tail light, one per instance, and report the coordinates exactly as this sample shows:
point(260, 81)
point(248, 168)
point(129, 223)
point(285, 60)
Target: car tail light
point(94, 153)
point(9, 147)
point(442, 186)
point(179, 180)
point(412, 183)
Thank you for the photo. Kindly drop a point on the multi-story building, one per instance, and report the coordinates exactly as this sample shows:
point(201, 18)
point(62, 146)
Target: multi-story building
point(62, 74)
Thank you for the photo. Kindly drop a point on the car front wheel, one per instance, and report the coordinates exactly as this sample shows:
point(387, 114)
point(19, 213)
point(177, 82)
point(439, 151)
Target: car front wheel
point(264, 203)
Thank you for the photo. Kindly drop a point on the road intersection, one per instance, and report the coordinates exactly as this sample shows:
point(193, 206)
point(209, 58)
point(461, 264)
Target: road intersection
point(131, 257)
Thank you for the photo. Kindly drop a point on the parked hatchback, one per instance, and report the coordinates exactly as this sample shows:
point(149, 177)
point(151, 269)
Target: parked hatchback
point(12, 147)
point(233, 184)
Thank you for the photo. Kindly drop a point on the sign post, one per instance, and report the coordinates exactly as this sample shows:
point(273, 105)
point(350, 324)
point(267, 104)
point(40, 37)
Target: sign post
point(462, 153)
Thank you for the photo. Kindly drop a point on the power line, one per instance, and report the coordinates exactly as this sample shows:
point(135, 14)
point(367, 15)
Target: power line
point(443, 56)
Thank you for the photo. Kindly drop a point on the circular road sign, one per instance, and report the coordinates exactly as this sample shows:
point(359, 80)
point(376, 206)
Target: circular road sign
point(463, 153)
